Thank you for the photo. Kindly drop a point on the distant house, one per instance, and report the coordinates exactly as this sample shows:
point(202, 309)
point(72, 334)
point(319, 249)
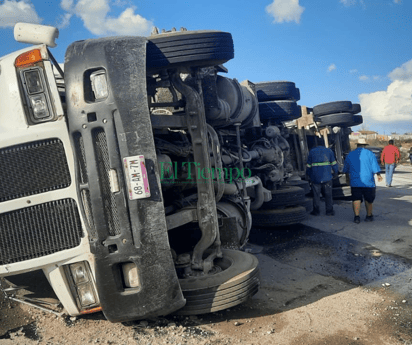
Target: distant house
point(369, 134)
point(395, 136)
point(382, 137)
point(364, 134)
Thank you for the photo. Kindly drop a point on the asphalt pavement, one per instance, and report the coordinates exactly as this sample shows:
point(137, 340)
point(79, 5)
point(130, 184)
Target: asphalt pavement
point(391, 230)
point(334, 252)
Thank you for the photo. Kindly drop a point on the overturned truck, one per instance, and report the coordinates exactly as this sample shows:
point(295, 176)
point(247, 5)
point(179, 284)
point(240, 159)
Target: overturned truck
point(129, 178)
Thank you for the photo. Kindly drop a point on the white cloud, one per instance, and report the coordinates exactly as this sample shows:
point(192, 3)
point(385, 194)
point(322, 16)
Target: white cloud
point(285, 11)
point(121, 3)
point(348, 3)
point(365, 77)
point(397, 1)
point(127, 23)
point(352, 71)
point(12, 12)
point(402, 73)
point(64, 20)
point(394, 104)
point(94, 14)
point(66, 4)
point(331, 67)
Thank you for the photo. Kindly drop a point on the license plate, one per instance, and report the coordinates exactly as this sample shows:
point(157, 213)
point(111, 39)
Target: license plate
point(136, 175)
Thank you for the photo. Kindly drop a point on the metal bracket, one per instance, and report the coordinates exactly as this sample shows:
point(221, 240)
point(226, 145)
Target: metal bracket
point(206, 204)
point(32, 302)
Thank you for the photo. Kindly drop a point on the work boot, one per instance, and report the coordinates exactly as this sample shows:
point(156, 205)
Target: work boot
point(315, 212)
point(369, 218)
point(330, 213)
point(356, 219)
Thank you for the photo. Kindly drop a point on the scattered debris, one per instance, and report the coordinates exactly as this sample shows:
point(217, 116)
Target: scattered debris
point(143, 324)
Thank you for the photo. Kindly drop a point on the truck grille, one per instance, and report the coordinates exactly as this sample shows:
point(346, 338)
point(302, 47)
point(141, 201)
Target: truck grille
point(33, 168)
point(39, 230)
point(103, 165)
point(81, 157)
point(87, 206)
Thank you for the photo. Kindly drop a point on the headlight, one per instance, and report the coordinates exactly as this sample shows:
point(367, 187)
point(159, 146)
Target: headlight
point(86, 294)
point(82, 285)
point(39, 106)
point(79, 273)
point(33, 81)
point(37, 95)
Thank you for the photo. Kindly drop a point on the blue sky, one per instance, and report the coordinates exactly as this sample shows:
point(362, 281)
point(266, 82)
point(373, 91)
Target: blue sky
point(357, 50)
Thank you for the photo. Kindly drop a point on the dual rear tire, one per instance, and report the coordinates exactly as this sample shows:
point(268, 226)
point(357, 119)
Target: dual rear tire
point(237, 281)
point(188, 49)
point(340, 113)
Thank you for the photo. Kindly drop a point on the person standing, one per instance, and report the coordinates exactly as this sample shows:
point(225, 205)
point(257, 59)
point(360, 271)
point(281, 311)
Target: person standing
point(361, 165)
point(321, 161)
point(390, 157)
point(410, 154)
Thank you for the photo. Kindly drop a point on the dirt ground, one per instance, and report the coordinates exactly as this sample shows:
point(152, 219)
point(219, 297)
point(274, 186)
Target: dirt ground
point(296, 305)
point(333, 314)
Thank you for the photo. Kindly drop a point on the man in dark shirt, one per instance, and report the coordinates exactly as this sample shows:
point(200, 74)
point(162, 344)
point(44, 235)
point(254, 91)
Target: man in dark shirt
point(321, 162)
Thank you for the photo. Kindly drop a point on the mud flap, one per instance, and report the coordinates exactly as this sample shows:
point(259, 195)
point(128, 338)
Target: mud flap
point(105, 129)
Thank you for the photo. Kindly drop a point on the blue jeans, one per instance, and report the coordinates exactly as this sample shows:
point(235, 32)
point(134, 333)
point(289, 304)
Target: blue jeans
point(389, 169)
point(326, 189)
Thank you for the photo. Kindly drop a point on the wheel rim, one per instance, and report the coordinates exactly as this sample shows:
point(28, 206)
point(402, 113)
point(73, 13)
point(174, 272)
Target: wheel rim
point(238, 280)
point(228, 209)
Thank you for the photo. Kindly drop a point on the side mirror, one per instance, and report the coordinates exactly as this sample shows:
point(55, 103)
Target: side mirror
point(36, 34)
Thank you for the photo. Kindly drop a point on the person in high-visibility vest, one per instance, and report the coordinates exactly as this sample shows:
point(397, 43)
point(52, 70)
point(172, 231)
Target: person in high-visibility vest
point(319, 168)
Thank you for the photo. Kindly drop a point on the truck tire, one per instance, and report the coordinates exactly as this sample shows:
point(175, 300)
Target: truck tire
point(188, 48)
point(285, 196)
point(279, 110)
point(307, 204)
point(356, 121)
point(339, 119)
point(356, 108)
point(332, 108)
point(237, 281)
point(277, 90)
point(279, 217)
point(300, 183)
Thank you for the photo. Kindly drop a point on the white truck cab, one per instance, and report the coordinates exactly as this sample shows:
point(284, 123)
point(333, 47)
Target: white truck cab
point(82, 194)
point(37, 191)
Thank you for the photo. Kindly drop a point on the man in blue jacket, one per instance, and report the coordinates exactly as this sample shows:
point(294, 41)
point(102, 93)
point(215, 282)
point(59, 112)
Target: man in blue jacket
point(361, 164)
point(321, 162)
